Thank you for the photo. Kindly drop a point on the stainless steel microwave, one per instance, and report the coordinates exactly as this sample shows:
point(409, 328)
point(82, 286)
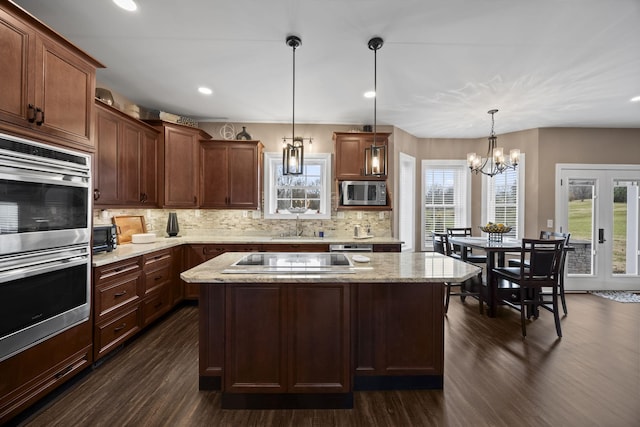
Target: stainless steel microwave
point(363, 193)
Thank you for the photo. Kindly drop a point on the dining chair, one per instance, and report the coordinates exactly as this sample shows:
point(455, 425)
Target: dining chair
point(471, 287)
point(539, 268)
point(544, 234)
point(456, 250)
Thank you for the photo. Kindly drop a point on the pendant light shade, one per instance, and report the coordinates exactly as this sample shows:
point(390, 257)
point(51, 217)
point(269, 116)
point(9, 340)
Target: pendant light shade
point(375, 156)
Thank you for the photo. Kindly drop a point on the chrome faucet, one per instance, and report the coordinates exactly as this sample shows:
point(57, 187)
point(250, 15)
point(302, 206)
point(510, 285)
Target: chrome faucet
point(298, 228)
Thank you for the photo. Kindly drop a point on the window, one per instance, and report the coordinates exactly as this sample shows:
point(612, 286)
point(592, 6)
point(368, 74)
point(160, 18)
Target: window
point(503, 199)
point(307, 195)
point(446, 197)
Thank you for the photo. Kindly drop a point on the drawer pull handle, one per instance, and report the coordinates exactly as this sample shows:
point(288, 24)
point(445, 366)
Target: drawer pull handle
point(157, 278)
point(31, 114)
point(119, 294)
point(64, 372)
point(119, 328)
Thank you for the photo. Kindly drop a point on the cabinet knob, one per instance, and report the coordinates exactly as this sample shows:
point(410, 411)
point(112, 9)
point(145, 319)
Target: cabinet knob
point(96, 194)
point(143, 197)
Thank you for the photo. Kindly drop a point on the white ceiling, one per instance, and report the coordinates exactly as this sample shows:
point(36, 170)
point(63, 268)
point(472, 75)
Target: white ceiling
point(444, 63)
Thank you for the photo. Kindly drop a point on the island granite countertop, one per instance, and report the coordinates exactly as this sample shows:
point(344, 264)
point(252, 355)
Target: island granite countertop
point(387, 267)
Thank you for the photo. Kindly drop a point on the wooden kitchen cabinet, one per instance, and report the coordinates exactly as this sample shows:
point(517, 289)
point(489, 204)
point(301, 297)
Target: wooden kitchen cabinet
point(47, 84)
point(387, 247)
point(230, 173)
point(156, 285)
point(117, 295)
point(303, 339)
point(349, 154)
point(125, 164)
point(178, 160)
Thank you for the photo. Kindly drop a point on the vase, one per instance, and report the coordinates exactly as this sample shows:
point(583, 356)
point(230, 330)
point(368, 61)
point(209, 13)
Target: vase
point(244, 134)
point(172, 225)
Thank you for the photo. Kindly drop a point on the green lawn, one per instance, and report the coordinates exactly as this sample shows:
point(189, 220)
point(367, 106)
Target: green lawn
point(580, 224)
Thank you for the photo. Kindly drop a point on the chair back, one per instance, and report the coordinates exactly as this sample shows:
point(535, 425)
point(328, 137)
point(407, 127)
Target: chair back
point(441, 243)
point(544, 260)
point(459, 231)
point(547, 235)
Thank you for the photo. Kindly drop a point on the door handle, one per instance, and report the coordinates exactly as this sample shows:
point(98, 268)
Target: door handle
point(601, 238)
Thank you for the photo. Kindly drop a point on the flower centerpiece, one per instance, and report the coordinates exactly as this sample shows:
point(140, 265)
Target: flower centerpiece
point(495, 231)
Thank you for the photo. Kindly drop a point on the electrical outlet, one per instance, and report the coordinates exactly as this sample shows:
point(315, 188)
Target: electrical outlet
point(245, 214)
point(340, 215)
point(549, 223)
point(359, 215)
point(197, 213)
point(381, 215)
point(256, 214)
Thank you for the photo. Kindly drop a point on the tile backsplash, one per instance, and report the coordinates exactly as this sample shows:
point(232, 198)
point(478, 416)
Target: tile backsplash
point(249, 222)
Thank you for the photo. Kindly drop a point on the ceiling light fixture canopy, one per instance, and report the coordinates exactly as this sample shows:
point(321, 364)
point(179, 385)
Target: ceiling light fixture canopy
point(494, 163)
point(375, 157)
point(293, 153)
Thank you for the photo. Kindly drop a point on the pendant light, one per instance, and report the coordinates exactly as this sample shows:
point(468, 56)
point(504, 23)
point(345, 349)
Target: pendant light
point(494, 163)
point(293, 153)
point(375, 156)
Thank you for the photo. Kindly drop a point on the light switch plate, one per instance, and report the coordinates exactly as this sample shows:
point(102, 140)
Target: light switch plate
point(256, 214)
point(381, 215)
point(359, 215)
point(197, 213)
point(549, 223)
point(340, 215)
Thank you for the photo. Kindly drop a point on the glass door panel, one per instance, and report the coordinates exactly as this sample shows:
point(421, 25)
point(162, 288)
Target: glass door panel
point(580, 223)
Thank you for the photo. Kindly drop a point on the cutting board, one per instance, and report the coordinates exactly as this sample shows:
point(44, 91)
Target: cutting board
point(126, 225)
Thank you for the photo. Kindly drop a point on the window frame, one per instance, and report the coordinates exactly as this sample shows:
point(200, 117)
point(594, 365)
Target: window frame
point(487, 181)
point(271, 162)
point(459, 167)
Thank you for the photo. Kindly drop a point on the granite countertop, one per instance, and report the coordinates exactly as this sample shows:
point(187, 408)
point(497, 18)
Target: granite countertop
point(383, 267)
point(131, 250)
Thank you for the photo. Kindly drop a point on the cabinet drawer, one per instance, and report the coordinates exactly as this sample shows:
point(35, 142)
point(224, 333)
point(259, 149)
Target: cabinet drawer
point(116, 294)
point(156, 260)
point(155, 305)
point(116, 331)
point(109, 271)
point(156, 278)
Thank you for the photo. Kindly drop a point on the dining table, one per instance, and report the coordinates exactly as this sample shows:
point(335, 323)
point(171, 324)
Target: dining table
point(496, 253)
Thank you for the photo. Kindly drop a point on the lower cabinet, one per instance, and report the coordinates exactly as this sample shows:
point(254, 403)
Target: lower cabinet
point(32, 374)
point(130, 294)
point(303, 338)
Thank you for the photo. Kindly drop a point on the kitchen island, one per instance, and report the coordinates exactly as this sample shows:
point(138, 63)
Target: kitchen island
point(308, 339)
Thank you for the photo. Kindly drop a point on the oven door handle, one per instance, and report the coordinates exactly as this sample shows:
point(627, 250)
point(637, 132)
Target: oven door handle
point(32, 269)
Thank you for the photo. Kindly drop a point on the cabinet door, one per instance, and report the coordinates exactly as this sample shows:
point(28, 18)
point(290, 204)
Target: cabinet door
point(130, 145)
point(243, 176)
point(65, 90)
point(17, 44)
point(318, 341)
point(106, 159)
point(246, 307)
point(181, 167)
point(349, 157)
point(214, 175)
point(149, 169)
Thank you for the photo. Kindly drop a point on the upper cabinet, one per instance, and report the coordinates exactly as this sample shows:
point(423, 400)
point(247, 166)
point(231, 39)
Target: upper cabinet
point(230, 174)
point(125, 163)
point(178, 161)
point(349, 152)
point(47, 84)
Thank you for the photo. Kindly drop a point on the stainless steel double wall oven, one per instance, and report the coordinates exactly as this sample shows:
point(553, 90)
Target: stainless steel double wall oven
point(45, 238)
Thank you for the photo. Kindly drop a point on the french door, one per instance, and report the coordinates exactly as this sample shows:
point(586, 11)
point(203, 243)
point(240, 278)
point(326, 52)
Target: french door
point(599, 206)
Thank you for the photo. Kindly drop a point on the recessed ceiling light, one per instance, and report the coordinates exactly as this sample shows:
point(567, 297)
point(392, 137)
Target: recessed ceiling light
point(128, 5)
point(205, 90)
point(370, 94)
point(635, 99)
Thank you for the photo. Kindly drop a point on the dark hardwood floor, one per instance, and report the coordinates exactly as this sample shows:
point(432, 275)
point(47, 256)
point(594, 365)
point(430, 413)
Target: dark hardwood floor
point(493, 377)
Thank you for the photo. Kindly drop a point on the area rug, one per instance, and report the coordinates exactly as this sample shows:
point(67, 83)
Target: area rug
point(619, 296)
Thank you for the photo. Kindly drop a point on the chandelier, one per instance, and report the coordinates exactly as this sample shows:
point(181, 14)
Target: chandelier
point(293, 153)
point(375, 157)
point(494, 163)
